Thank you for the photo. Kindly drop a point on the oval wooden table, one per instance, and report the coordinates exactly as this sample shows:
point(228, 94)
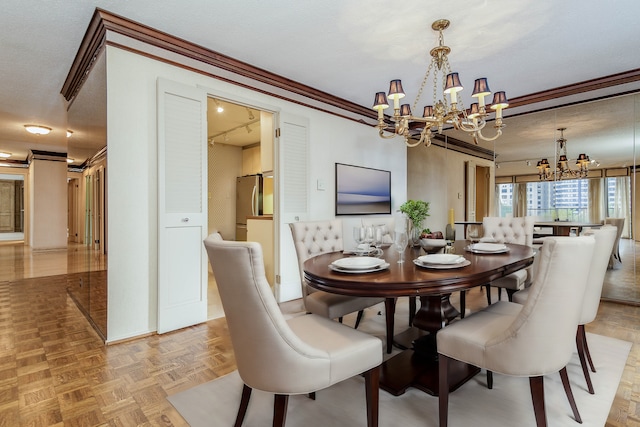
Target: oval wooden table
point(417, 366)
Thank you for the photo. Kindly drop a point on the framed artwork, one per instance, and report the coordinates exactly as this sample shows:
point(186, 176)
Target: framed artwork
point(362, 191)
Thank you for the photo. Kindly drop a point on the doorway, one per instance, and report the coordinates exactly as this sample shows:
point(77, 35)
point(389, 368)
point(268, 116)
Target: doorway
point(11, 207)
point(239, 143)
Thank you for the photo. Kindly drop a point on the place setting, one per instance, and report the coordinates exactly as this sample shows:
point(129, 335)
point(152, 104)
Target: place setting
point(487, 248)
point(441, 261)
point(358, 265)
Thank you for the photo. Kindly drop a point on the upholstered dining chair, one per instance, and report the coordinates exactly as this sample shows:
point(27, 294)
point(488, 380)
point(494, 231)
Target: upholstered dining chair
point(299, 355)
point(604, 237)
point(517, 230)
point(615, 252)
point(313, 238)
point(514, 339)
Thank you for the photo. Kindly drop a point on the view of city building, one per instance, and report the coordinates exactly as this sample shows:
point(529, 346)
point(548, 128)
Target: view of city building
point(563, 200)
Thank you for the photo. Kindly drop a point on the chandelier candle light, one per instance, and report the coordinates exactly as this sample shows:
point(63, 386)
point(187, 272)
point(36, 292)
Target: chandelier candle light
point(441, 112)
point(563, 170)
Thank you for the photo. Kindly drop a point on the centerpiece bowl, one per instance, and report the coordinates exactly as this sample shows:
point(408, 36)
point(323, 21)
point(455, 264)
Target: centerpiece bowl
point(432, 245)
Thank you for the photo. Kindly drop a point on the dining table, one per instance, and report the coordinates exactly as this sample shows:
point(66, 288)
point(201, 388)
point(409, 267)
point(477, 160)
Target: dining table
point(416, 365)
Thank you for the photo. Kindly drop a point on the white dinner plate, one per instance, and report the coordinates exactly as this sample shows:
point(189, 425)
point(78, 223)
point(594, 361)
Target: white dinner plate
point(358, 263)
point(441, 259)
point(380, 267)
point(441, 266)
point(487, 248)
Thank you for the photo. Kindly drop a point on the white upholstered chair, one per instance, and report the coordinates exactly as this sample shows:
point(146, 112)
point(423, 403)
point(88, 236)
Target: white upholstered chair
point(517, 230)
point(514, 339)
point(615, 252)
point(312, 238)
point(296, 356)
point(604, 238)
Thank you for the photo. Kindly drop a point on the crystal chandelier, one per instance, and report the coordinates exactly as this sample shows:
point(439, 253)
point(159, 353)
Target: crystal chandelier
point(440, 112)
point(563, 170)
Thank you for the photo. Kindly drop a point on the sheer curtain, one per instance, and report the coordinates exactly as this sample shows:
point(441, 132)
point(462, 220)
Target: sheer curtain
point(622, 203)
point(520, 199)
point(596, 200)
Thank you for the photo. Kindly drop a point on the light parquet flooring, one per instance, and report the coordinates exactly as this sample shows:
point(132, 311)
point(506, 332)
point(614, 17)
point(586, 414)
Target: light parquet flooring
point(56, 371)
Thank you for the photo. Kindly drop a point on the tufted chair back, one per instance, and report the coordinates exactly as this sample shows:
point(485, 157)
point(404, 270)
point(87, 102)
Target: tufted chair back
point(518, 230)
point(312, 238)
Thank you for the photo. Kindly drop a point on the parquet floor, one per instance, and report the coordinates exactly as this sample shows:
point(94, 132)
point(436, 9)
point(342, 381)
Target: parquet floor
point(55, 370)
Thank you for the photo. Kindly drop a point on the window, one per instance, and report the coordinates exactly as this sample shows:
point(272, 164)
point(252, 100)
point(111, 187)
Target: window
point(567, 200)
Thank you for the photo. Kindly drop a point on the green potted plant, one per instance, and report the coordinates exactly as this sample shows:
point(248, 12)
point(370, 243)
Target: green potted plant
point(417, 211)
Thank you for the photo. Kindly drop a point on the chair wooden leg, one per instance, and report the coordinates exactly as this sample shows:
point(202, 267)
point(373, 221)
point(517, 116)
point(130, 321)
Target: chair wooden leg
point(510, 293)
point(340, 319)
point(463, 303)
point(567, 389)
point(358, 319)
point(490, 380)
point(586, 348)
point(390, 310)
point(536, 384)
point(443, 389)
point(372, 389)
point(312, 395)
point(488, 287)
point(499, 294)
point(412, 309)
point(280, 410)
point(244, 403)
point(580, 344)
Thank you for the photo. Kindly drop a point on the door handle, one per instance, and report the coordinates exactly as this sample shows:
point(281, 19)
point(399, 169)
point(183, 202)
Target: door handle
point(185, 220)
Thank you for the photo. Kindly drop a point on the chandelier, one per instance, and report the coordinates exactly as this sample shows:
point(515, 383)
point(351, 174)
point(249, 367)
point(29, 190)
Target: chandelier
point(563, 170)
point(441, 111)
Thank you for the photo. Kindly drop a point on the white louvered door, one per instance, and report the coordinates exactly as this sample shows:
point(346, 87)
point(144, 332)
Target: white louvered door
point(293, 153)
point(182, 207)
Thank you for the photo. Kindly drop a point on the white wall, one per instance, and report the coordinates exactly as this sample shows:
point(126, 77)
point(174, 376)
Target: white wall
point(48, 219)
point(437, 175)
point(132, 181)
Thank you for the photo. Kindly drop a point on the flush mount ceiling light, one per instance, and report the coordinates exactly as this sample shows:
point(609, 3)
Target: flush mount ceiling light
point(4, 155)
point(37, 129)
point(563, 170)
point(70, 160)
point(441, 111)
point(69, 133)
point(219, 107)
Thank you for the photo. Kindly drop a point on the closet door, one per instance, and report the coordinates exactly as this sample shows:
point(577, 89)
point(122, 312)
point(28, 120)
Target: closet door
point(182, 207)
point(293, 181)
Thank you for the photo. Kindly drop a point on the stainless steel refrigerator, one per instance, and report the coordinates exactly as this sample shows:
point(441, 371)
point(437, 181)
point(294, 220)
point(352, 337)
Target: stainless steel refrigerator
point(248, 202)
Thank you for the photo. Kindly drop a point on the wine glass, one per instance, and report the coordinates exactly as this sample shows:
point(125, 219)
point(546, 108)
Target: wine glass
point(358, 236)
point(400, 242)
point(473, 234)
point(369, 235)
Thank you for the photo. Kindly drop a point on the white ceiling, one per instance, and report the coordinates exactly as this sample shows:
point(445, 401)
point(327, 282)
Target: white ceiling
point(351, 49)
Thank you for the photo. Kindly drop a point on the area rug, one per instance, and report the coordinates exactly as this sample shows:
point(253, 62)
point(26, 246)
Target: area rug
point(508, 404)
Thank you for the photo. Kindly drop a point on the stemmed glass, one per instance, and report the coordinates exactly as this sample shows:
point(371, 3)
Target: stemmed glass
point(400, 242)
point(369, 235)
point(473, 234)
point(358, 236)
